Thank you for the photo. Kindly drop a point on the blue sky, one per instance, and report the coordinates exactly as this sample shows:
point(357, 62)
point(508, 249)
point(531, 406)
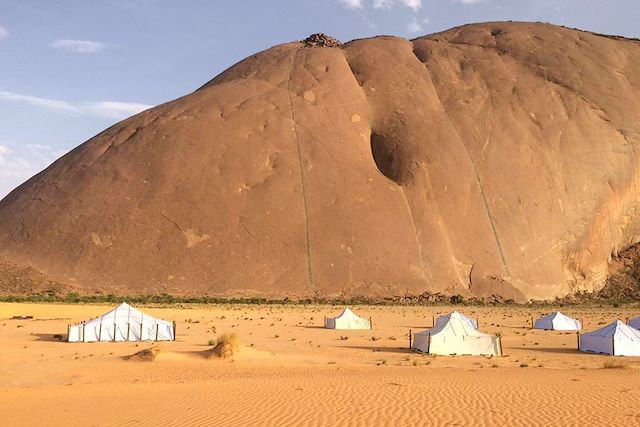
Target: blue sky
point(71, 68)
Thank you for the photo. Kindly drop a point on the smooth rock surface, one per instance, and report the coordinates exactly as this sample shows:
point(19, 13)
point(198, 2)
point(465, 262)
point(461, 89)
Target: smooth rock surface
point(490, 159)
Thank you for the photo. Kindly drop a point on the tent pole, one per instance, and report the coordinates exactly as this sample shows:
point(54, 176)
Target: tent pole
point(500, 346)
point(410, 346)
point(478, 323)
point(84, 326)
point(613, 344)
point(157, 329)
point(174, 330)
point(429, 345)
point(140, 337)
point(433, 321)
point(68, 331)
point(115, 322)
point(100, 331)
point(128, 329)
point(370, 323)
point(578, 338)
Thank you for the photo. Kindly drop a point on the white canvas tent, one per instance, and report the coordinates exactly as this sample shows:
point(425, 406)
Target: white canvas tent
point(456, 336)
point(445, 318)
point(123, 323)
point(347, 320)
point(558, 322)
point(634, 323)
point(616, 339)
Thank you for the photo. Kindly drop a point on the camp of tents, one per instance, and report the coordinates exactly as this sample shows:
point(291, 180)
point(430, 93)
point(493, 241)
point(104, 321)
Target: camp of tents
point(451, 334)
point(123, 323)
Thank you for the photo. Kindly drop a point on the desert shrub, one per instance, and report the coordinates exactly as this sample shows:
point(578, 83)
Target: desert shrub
point(613, 364)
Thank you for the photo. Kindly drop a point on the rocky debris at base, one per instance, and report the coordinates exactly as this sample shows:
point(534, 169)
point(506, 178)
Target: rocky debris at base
point(25, 280)
point(622, 285)
point(321, 40)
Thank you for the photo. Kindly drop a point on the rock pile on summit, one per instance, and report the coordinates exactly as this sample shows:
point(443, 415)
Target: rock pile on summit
point(321, 40)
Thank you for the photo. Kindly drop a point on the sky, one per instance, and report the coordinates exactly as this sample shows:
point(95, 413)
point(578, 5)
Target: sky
point(71, 68)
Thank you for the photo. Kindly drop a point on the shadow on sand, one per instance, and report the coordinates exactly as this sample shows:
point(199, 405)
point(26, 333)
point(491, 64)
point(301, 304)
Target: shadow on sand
point(378, 349)
point(51, 337)
point(556, 350)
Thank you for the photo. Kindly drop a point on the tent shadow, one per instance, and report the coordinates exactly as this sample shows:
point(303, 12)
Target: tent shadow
point(417, 328)
point(400, 350)
point(311, 327)
point(51, 337)
point(556, 350)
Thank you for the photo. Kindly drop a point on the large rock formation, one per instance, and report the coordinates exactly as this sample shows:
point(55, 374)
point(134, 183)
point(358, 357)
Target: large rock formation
point(491, 159)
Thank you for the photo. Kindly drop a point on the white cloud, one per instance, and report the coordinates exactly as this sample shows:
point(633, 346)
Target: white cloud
point(114, 109)
point(414, 26)
point(80, 46)
point(352, 4)
point(388, 4)
point(413, 4)
point(4, 33)
point(106, 109)
point(20, 162)
point(38, 102)
point(382, 4)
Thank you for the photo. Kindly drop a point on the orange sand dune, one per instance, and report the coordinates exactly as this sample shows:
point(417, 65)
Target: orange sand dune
point(290, 371)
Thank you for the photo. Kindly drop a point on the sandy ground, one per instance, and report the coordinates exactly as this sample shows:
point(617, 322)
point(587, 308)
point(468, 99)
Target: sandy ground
point(290, 371)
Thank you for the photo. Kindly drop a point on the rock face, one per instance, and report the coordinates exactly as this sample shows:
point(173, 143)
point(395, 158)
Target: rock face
point(491, 159)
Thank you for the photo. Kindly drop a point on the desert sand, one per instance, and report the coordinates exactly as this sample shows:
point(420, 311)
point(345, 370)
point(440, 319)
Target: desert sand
point(290, 371)
point(489, 159)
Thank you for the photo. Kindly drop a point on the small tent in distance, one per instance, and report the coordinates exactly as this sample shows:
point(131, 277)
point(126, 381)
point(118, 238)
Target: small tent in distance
point(347, 320)
point(557, 321)
point(634, 323)
point(123, 323)
point(616, 339)
point(456, 336)
point(445, 318)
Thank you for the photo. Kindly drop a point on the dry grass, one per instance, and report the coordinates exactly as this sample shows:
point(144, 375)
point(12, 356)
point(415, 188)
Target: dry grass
point(227, 345)
point(615, 364)
point(147, 355)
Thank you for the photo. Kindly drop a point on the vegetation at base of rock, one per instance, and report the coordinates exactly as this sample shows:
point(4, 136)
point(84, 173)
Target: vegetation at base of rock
point(421, 300)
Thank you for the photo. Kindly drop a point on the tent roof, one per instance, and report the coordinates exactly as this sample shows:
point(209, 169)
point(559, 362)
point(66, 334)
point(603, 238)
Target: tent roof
point(617, 329)
point(348, 313)
point(445, 317)
point(558, 315)
point(456, 312)
point(125, 311)
point(457, 324)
